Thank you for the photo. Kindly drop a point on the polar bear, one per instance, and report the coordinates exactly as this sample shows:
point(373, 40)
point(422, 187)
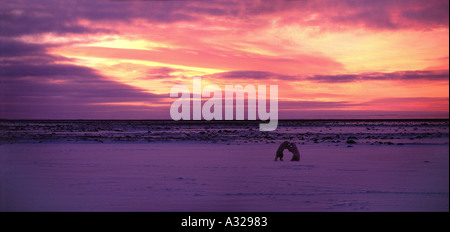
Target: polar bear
point(290, 147)
point(295, 153)
point(280, 150)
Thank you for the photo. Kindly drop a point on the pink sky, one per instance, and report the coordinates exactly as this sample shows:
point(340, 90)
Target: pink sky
point(119, 59)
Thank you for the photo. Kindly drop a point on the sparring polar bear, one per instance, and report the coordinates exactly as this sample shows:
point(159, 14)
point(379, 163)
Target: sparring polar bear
point(290, 147)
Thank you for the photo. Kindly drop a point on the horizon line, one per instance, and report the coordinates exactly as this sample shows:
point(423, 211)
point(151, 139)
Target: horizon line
point(320, 119)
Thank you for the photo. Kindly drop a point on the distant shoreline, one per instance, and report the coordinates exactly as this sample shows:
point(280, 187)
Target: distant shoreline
point(332, 132)
point(225, 121)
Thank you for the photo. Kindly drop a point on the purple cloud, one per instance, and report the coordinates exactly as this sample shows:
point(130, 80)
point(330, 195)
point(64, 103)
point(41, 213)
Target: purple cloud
point(30, 17)
point(382, 14)
point(429, 75)
point(402, 100)
point(160, 73)
point(308, 105)
point(248, 74)
point(435, 15)
point(45, 88)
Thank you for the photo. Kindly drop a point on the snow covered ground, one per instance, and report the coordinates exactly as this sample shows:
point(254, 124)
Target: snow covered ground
point(207, 173)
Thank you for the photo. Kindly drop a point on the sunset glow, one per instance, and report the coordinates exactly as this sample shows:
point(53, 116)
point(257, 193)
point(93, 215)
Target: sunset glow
point(330, 59)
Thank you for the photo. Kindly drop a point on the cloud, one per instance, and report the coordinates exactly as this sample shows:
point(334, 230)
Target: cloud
point(13, 48)
point(408, 103)
point(380, 15)
point(436, 14)
point(23, 18)
point(198, 34)
point(428, 75)
point(214, 59)
point(40, 88)
point(254, 75)
point(368, 17)
point(309, 105)
point(49, 16)
point(64, 82)
point(62, 110)
point(160, 73)
point(414, 100)
point(401, 107)
point(410, 75)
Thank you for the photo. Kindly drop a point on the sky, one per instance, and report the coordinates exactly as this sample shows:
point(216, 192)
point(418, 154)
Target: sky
point(331, 59)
